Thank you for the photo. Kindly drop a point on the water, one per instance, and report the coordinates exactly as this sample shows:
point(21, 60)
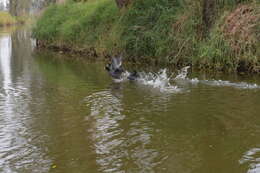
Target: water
point(66, 115)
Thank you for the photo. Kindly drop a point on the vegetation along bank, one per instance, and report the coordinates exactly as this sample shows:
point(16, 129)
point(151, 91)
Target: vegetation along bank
point(217, 35)
point(6, 19)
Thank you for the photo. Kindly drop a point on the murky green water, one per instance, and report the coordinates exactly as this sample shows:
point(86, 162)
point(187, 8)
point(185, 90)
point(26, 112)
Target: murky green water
point(63, 115)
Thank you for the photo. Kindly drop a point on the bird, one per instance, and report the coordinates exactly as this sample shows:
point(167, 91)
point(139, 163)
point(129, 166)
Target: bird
point(115, 69)
point(133, 76)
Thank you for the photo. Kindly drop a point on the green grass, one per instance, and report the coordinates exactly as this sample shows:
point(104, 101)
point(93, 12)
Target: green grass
point(236, 52)
point(77, 23)
point(6, 19)
point(153, 31)
point(139, 31)
point(146, 27)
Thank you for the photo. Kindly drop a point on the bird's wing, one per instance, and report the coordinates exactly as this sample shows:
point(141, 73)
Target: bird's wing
point(116, 63)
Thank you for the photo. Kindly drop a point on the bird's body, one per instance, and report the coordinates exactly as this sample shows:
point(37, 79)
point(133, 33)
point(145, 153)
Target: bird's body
point(115, 70)
point(133, 76)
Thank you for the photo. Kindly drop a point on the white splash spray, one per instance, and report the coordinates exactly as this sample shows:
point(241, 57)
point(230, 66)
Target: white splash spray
point(182, 75)
point(164, 82)
point(158, 80)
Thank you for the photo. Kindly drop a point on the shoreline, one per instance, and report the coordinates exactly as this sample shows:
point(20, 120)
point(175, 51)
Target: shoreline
point(92, 54)
point(155, 33)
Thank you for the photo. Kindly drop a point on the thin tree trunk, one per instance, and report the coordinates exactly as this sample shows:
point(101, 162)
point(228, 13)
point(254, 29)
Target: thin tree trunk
point(13, 7)
point(208, 13)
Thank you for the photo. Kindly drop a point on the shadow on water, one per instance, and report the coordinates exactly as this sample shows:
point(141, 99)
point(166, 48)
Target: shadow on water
point(58, 114)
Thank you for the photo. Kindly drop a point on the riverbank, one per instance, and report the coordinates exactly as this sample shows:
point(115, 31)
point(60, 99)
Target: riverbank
point(6, 19)
point(220, 37)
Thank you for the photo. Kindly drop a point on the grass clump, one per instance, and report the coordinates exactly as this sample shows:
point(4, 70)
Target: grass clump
point(80, 24)
point(233, 44)
point(157, 31)
point(146, 27)
point(6, 19)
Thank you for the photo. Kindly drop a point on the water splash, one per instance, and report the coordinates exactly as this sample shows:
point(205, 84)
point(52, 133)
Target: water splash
point(162, 81)
point(123, 77)
point(182, 75)
point(222, 83)
point(158, 80)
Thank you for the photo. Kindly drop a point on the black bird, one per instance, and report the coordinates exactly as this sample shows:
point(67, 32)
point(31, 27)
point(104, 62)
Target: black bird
point(115, 68)
point(133, 76)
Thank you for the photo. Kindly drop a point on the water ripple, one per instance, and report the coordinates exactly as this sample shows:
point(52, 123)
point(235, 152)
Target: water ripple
point(17, 152)
point(114, 144)
point(252, 158)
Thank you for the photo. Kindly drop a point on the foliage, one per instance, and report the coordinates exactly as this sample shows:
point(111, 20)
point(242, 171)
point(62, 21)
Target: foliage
point(80, 23)
point(232, 44)
point(146, 26)
point(159, 31)
point(6, 19)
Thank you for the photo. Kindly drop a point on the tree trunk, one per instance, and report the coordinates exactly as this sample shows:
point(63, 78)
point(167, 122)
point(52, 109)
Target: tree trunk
point(13, 7)
point(208, 13)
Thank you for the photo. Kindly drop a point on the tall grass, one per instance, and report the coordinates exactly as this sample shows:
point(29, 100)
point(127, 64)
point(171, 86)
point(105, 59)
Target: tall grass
point(141, 30)
point(159, 31)
point(146, 26)
point(233, 42)
point(77, 23)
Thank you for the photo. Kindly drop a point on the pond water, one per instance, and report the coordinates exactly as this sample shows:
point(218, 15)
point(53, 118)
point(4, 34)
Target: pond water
point(66, 115)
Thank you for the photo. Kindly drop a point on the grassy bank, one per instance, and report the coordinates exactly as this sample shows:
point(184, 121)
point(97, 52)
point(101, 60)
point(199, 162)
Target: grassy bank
point(172, 32)
point(6, 19)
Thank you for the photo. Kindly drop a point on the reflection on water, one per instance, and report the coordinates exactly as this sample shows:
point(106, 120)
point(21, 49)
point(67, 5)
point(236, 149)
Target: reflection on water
point(64, 115)
point(252, 158)
point(104, 115)
point(118, 148)
point(17, 152)
point(5, 55)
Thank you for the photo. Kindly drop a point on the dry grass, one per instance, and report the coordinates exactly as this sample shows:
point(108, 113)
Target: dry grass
point(240, 28)
point(6, 19)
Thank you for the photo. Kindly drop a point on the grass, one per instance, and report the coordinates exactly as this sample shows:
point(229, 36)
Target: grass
point(168, 32)
point(77, 23)
point(233, 42)
point(6, 19)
